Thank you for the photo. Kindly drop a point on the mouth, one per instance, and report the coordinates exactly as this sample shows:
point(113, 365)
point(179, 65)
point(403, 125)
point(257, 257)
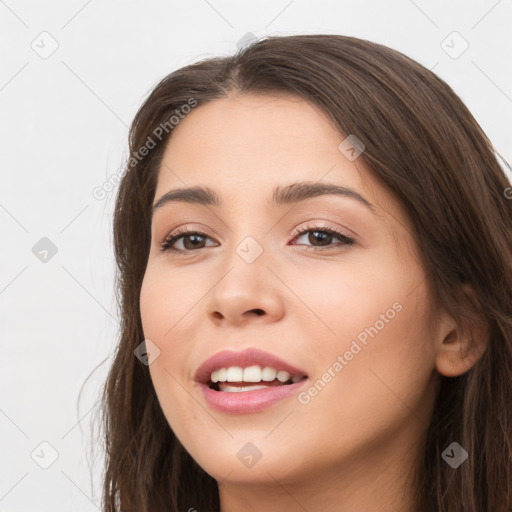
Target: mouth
point(247, 381)
point(236, 379)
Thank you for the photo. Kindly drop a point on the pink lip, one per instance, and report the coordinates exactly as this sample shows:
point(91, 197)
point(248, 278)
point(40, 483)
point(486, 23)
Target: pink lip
point(245, 401)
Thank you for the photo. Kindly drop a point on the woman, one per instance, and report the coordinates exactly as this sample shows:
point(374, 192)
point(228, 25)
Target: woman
point(314, 243)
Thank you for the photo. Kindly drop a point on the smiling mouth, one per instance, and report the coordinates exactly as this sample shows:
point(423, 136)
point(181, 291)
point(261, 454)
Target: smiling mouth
point(236, 379)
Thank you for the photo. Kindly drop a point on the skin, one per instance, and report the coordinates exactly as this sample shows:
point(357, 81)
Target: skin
point(352, 446)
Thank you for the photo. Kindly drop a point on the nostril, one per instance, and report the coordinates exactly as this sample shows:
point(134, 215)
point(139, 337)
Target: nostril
point(259, 312)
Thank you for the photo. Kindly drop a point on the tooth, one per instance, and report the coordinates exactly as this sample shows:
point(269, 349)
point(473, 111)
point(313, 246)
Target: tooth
point(218, 375)
point(237, 389)
point(250, 388)
point(283, 376)
point(234, 374)
point(252, 374)
point(268, 374)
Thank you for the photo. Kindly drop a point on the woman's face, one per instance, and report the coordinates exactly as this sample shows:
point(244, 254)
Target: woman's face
point(345, 314)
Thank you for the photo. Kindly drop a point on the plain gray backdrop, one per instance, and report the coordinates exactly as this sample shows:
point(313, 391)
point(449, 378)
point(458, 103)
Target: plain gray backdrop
point(72, 76)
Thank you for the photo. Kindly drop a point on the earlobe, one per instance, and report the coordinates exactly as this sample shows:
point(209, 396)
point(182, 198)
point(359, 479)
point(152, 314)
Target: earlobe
point(458, 353)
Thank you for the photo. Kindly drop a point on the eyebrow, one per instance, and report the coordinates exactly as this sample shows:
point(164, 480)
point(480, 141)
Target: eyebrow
point(290, 194)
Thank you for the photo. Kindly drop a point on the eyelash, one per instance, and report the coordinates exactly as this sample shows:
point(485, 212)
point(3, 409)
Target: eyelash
point(169, 240)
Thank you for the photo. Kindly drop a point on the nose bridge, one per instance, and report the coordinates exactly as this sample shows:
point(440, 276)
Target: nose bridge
point(250, 250)
point(245, 284)
point(248, 236)
point(245, 267)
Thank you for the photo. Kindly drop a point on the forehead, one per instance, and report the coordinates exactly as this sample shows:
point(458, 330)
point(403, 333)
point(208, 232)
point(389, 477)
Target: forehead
point(250, 140)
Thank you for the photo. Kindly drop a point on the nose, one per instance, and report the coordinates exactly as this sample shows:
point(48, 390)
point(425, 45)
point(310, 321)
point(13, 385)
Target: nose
point(246, 292)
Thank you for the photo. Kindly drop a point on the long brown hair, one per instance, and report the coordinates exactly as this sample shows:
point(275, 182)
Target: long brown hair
point(425, 145)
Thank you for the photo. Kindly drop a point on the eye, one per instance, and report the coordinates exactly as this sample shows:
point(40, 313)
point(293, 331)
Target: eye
point(192, 240)
point(323, 237)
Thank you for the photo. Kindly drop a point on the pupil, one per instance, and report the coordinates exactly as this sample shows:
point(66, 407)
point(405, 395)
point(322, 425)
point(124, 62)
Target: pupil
point(189, 238)
point(323, 236)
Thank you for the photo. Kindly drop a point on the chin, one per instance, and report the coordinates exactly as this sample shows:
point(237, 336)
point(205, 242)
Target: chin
point(244, 461)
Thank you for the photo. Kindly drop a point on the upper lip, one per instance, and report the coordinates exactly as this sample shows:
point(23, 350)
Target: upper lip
point(243, 359)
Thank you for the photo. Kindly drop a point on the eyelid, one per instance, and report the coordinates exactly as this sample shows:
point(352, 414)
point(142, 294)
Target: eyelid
point(176, 234)
point(314, 225)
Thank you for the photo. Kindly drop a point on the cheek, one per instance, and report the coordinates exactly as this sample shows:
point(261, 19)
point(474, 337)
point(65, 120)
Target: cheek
point(167, 304)
point(376, 370)
point(167, 298)
point(371, 323)
point(338, 301)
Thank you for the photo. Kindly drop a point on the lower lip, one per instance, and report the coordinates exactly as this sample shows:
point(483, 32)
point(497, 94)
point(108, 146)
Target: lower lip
point(244, 402)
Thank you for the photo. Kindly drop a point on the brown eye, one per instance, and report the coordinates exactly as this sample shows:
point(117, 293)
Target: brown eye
point(191, 240)
point(321, 238)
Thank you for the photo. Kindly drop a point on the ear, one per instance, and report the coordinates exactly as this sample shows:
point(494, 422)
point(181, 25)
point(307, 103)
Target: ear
point(458, 352)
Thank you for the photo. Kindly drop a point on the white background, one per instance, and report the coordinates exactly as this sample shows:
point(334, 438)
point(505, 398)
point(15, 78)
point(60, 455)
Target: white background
point(64, 128)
